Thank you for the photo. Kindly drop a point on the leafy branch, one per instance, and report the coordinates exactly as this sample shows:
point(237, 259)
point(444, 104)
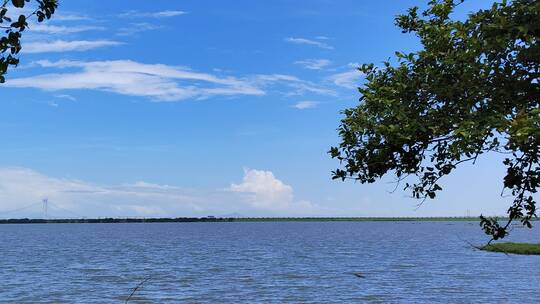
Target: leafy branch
point(10, 42)
point(474, 88)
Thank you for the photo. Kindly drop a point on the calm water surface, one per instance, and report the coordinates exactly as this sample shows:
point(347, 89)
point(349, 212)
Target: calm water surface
point(280, 262)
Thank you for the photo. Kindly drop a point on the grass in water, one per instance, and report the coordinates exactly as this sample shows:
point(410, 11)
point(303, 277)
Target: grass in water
point(513, 248)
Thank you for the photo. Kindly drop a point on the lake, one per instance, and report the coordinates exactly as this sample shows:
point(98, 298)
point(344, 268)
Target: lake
point(262, 262)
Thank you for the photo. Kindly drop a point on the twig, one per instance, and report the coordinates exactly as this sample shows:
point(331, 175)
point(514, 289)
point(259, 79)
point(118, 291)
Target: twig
point(480, 247)
point(469, 243)
point(137, 288)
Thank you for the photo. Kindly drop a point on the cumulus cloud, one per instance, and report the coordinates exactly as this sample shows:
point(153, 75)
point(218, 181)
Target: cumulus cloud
point(313, 64)
point(66, 46)
point(157, 81)
point(264, 191)
point(307, 104)
point(311, 42)
point(160, 14)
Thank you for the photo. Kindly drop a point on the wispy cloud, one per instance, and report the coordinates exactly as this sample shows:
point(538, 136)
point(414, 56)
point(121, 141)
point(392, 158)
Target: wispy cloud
point(66, 96)
point(135, 28)
point(311, 42)
point(66, 46)
point(313, 64)
point(160, 14)
point(307, 104)
point(167, 14)
point(348, 79)
point(295, 85)
point(158, 81)
point(74, 198)
point(260, 192)
point(63, 16)
point(61, 29)
point(58, 97)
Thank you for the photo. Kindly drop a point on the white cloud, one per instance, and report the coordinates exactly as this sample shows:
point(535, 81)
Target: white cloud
point(152, 186)
point(61, 29)
point(264, 191)
point(277, 77)
point(313, 64)
point(157, 81)
point(260, 193)
point(20, 187)
point(136, 28)
point(302, 105)
point(168, 14)
point(298, 86)
point(69, 17)
point(65, 46)
point(160, 14)
point(349, 79)
point(305, 41)
point(66, 96)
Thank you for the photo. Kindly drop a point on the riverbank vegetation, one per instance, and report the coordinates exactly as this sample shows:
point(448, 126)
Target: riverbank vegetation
point(513, 248)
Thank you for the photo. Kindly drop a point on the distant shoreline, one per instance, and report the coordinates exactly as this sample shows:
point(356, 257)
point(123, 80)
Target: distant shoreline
point(234, 219)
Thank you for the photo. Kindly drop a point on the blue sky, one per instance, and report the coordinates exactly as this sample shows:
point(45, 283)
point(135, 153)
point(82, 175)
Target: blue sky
point(193, 108)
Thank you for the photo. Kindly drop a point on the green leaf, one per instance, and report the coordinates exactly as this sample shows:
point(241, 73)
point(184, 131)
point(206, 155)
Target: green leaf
point(18, 3)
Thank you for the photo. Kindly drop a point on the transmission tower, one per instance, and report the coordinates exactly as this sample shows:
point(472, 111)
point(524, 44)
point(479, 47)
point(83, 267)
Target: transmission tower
point(45, 206)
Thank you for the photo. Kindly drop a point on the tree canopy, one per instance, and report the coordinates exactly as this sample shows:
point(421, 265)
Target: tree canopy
point(473, 88)
point(14, 26)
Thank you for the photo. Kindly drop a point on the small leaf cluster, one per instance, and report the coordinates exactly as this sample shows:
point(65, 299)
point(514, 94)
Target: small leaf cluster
point(10, 41)
point(473, 88)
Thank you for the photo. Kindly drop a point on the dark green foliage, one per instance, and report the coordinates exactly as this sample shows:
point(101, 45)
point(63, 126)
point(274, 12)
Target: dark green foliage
point(10, 42)
point(473, 88)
